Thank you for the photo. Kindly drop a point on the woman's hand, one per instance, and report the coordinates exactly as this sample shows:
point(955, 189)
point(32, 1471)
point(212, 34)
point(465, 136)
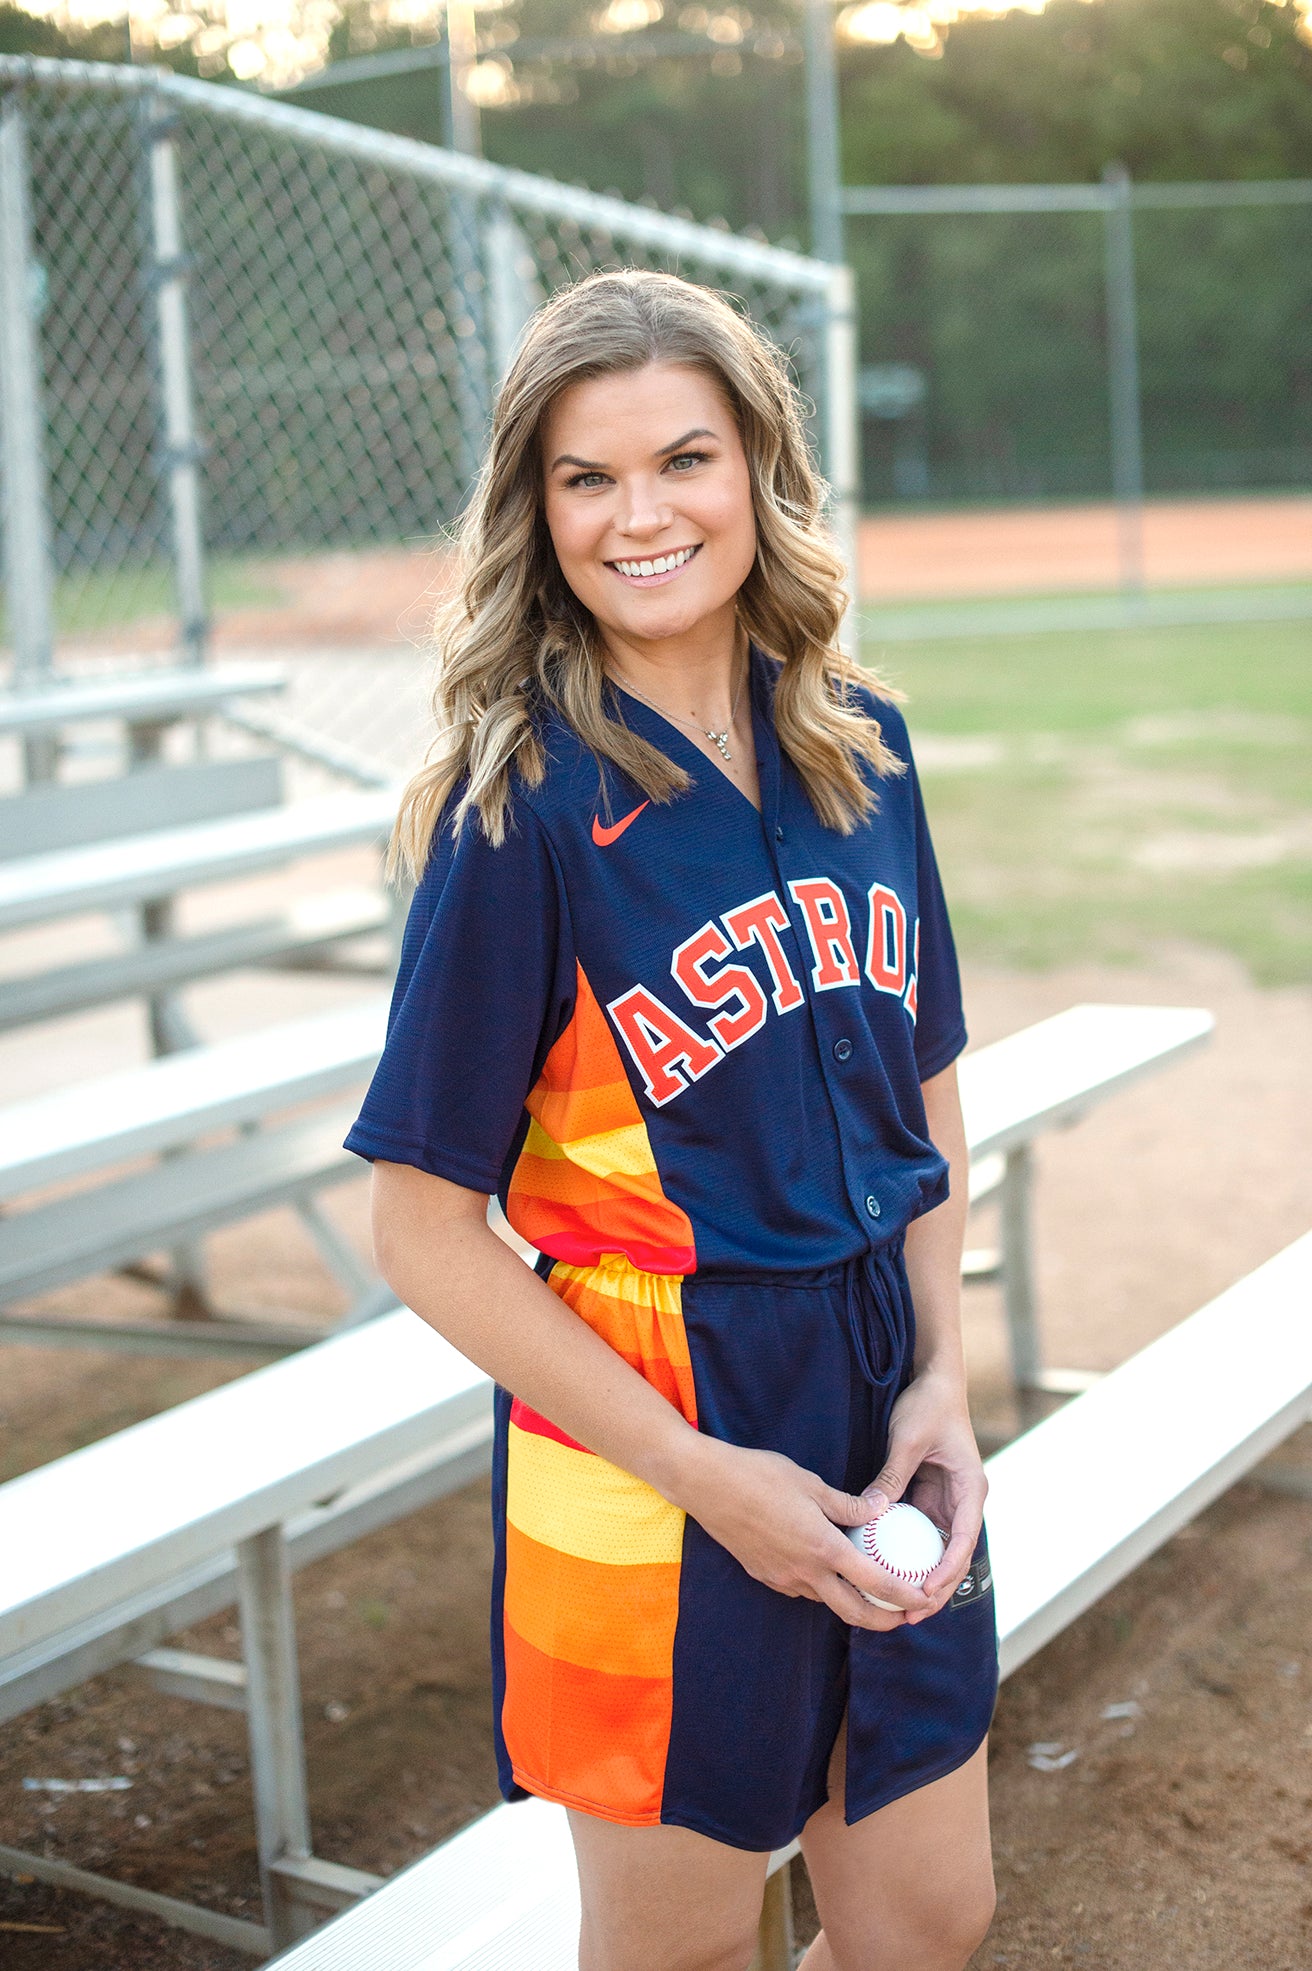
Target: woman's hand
point(782, 1523)
point(933, 1460)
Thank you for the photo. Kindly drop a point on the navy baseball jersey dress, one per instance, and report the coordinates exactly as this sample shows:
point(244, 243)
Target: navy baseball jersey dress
point(683, 1043)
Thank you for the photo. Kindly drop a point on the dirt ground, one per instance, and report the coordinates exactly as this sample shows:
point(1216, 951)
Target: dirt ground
point(1179, 1834)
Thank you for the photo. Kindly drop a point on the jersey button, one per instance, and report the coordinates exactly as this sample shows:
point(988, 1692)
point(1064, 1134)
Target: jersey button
point(872, 1207)
point(778, 834)
point(842, 1050)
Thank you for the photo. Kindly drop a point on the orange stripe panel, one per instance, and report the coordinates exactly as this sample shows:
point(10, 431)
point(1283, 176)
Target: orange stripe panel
point(556, 1202)
point(581, 1108)
point(615, 1619)
point(584, 1737)
point(556, 1180)
point(592, 1572)
point(640, 1316)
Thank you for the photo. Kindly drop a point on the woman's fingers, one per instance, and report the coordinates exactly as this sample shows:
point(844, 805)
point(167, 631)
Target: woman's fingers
point(844, 1508)
point(963, 1537)
point(853, 1609)
point(908, 1448)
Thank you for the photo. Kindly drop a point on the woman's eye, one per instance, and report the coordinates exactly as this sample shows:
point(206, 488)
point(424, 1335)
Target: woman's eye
point(683, 459)
point(586, 479)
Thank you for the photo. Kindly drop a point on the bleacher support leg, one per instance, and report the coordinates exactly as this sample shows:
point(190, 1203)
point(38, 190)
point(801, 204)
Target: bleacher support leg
point(1018, 1296)
point(273, 1707)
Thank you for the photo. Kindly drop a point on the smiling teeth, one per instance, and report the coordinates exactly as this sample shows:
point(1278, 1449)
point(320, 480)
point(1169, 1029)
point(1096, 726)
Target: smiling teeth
point(661, 566)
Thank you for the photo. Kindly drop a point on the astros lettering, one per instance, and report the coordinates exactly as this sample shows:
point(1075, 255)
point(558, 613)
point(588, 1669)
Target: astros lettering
point(670, 1055)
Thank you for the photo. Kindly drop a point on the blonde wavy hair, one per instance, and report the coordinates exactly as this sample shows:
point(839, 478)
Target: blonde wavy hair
point(513, 638)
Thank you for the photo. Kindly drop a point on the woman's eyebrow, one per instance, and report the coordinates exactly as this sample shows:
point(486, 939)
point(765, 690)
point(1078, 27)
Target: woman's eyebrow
point(594, 465)
point(699, 431)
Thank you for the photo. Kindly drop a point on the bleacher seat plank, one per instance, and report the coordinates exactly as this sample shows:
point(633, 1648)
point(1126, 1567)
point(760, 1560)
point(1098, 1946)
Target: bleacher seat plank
point(452, 1456)
point(310, 925)
point(143, 697)
point(176, 1200)
point(508, 1898)
point(1076, 1057)
point(50, 817)
point(1078, 1501)
point(166, 1103)
point(140, 868)
point(136, 1510)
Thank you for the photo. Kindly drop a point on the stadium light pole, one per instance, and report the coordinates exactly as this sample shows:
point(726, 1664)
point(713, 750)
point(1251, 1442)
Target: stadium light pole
point(824, 177)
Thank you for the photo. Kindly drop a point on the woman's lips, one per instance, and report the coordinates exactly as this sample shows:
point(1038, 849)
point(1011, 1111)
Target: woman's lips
point(622, 565)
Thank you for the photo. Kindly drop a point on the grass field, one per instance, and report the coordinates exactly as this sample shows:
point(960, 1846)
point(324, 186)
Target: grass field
point(97, 601)
point(1096, 794)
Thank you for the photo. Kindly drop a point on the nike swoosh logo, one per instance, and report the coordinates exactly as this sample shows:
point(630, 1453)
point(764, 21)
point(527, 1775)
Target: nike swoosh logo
point(603, 837)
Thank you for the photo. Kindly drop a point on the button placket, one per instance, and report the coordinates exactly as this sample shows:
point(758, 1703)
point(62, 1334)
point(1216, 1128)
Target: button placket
point(841, 1049)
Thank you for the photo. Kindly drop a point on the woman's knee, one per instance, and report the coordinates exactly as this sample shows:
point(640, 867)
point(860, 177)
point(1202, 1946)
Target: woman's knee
point(966, 1920)
point(945, 1927)
point(936, 1928)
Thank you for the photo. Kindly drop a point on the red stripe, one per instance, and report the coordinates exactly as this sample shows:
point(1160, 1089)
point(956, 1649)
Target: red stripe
point(541, 1426)
point(584, 1247)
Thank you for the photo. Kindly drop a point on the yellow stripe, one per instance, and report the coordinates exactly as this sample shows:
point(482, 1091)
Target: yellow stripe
point(582, 1505)
point(612, 1152)
point(615, 1277)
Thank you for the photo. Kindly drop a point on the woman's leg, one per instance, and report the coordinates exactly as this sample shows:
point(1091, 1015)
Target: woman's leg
point(664, 1898)
point(909, 1888)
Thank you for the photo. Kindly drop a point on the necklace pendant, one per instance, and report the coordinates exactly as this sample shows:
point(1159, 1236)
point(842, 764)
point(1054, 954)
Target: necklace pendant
point(722, 741)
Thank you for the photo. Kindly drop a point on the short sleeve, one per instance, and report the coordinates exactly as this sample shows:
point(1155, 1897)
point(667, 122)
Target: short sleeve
point(940, 1017)
point(485, 985)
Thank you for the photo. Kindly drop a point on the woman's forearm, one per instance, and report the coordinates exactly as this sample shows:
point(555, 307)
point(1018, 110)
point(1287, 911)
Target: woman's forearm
point(935, 1240)
point(437, 1252)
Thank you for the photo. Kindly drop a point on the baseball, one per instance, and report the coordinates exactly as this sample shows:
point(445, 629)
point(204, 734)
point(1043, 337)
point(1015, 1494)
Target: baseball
point(904, 1543)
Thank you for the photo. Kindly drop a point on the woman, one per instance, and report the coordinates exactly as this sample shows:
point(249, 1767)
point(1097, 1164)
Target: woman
point(678, 986)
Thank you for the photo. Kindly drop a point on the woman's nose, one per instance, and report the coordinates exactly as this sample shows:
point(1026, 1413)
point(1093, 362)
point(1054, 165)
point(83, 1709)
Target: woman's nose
point(643, 513)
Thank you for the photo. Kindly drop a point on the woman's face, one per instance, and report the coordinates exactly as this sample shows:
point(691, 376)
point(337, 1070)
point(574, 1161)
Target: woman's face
point(648, 502)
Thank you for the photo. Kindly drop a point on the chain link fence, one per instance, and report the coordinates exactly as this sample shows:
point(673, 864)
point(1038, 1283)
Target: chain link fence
point(1049, 343)
point(236, 331)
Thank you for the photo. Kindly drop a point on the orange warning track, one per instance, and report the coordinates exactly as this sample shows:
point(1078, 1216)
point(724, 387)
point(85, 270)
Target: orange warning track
point(1012, 551)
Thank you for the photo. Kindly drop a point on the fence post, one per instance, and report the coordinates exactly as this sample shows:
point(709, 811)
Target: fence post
point(512, 294)
point(461, 122)
point(182, 448)
point(28, 562)
point(839, 431)
point(824, 162)
point(1123, 376)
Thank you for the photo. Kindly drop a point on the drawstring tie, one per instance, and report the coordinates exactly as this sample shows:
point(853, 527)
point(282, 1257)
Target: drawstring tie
point(880, 1320)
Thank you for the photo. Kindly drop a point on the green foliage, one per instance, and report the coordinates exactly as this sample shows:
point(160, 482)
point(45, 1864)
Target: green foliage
point(23, 34)
point(1172, 88)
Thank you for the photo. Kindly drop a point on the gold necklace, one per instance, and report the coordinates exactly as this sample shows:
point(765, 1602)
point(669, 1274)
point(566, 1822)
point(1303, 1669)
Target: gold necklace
point(721, 739)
